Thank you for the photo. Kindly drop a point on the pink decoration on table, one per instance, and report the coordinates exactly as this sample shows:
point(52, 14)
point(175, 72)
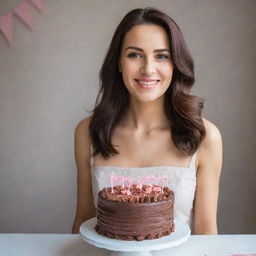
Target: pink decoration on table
point(23, 12)
point(250, 254)
point(6, 26)
point(38, 4)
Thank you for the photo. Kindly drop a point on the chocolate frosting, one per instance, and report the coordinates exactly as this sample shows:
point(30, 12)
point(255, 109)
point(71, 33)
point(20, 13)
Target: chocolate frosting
point(133, 213)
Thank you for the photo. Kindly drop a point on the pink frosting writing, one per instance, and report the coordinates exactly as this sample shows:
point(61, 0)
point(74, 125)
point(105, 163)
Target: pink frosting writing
point(128, 181)
point(152, 179)
point(124, 180)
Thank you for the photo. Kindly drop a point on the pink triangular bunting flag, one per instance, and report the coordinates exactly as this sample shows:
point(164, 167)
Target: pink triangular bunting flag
point(6, 26)
point(23, 12)
point(38, 4)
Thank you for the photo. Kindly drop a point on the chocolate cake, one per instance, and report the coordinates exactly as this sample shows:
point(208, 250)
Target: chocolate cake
point(135, 212)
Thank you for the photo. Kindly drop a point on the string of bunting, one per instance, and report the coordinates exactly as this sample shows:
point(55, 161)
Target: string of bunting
point(23, 13)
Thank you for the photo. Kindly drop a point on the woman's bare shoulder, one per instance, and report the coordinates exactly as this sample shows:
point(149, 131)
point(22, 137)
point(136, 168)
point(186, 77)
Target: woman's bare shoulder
point(210, 149)
point(213, 134)
point(83, 140)
point(82, 128)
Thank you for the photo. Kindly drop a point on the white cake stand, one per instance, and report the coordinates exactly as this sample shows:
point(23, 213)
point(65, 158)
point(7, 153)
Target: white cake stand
point(134, 248)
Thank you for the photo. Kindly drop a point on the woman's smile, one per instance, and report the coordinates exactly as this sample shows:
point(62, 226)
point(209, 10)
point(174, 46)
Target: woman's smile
point(147, 83)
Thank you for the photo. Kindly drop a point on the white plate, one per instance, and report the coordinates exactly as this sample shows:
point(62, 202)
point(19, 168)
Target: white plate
point(179, 236)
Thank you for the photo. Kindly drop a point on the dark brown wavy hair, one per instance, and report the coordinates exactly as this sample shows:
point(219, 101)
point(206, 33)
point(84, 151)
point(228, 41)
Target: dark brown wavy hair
point(182, 109)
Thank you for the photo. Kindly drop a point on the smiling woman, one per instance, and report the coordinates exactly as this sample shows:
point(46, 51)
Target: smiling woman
point(146, 64)
point(146, 122)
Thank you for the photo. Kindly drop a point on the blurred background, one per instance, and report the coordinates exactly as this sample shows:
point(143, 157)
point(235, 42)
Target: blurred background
point(49, 82)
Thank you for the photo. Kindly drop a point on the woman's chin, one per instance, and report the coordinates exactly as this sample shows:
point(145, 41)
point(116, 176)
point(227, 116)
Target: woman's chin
point(147, 98)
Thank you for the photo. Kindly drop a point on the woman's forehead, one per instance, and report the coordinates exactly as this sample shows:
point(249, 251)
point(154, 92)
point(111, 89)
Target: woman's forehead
point(147, 36)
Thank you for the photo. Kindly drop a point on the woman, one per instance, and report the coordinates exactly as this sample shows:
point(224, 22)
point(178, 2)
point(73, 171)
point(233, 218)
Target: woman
point(146, 123)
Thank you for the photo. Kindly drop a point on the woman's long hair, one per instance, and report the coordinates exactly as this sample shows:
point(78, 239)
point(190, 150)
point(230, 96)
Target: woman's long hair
point(182, 109)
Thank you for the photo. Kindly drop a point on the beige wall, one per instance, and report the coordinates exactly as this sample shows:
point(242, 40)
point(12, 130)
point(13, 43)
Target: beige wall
point(49, 80)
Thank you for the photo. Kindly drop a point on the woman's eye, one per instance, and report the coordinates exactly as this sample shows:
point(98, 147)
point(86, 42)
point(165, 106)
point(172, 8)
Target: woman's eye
point(134, 55)
point(162, 56)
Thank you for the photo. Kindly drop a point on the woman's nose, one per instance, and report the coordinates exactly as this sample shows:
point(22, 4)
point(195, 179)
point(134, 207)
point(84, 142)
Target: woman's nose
point(148, 67)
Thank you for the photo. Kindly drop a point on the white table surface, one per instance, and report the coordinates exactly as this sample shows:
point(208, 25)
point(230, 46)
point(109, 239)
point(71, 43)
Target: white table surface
point(73, 245)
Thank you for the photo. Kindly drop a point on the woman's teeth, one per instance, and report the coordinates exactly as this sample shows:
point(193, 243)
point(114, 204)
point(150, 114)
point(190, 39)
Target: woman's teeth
point(148, 83)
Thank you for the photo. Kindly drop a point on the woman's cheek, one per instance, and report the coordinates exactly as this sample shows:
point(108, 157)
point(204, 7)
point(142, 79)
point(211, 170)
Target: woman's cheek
point(132, 68)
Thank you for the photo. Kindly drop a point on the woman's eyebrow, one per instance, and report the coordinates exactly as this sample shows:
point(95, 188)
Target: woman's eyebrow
point(141, 50)
point(162, 50)
point(133, 48)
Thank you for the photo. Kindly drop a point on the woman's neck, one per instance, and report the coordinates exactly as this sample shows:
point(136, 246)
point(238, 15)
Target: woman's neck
point(146, 116)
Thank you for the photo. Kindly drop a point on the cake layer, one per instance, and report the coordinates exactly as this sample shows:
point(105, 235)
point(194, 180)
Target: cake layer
point(132, 220)
point(152, 235)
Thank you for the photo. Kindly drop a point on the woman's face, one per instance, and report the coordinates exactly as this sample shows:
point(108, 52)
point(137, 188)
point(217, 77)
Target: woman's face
point(145, 62)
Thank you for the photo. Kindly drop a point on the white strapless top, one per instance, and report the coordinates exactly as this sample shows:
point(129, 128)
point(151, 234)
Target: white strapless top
point(182, 180)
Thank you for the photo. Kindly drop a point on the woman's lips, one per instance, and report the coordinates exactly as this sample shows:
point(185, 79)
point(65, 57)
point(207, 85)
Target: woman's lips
point(147, 83)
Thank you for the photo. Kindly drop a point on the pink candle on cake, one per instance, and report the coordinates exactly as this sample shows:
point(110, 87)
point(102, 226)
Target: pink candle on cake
point(111, 181)
point(123, 178)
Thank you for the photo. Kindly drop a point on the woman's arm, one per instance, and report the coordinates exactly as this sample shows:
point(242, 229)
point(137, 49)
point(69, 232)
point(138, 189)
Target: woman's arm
point(85, 207)
point(208, 176)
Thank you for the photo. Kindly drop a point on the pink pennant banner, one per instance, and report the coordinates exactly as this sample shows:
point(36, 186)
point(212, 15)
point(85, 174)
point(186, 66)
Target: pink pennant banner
point(6, 26)
point(38, 4)
point(23, 12)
